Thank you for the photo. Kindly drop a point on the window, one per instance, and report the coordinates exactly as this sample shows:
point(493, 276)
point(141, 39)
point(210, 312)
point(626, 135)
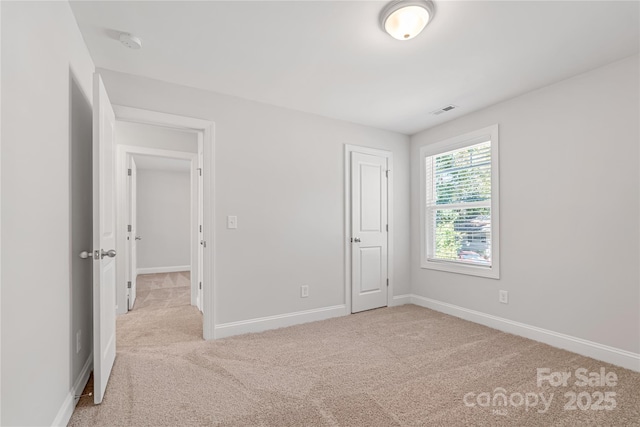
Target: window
point(459, 209)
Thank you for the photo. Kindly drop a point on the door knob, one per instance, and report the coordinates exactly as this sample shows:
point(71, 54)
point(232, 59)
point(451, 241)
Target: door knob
point(138, 238)
point(111, 253)
point(357, 240)
point(86, 254)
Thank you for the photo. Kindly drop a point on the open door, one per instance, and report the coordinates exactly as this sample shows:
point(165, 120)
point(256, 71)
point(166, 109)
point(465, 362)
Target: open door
point(104, 239)
point(200, 300)
point(133, 232)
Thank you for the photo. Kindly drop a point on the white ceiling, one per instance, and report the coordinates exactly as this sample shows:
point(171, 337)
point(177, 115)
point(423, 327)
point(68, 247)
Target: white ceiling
point(331, 58)
point(166, 164)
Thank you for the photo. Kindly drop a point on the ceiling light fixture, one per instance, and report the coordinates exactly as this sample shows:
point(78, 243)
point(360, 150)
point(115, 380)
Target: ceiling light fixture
point(130, 41)
point(405, 19)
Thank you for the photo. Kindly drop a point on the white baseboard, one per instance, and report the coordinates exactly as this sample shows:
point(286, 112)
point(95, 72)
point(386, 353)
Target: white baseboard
point(154, 270)
point(279, 321)
point(605, 353)
point(400, 300)
point(69, 404)
point(290, 319)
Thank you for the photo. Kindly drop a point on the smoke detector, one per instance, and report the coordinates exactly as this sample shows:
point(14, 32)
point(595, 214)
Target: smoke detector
point(130, 41)
point(444, 109)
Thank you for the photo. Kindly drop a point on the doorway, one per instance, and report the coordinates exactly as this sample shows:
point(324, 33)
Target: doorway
point(369, 231)
point(204, 131)
point(162, 187)
point(162, 231)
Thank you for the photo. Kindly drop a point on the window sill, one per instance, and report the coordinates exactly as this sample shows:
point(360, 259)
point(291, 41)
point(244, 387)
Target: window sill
point(470, 270)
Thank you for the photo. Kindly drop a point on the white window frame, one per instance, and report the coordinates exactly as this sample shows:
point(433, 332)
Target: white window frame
point(456, 143)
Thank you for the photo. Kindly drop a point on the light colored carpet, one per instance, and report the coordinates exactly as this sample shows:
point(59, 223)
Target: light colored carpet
point(401, 366)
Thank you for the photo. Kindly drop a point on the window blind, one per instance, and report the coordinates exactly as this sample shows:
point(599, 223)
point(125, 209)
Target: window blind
point(458, 205)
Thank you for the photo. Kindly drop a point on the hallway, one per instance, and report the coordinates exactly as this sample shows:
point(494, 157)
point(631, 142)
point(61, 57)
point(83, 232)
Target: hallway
point(162, 290)
point(162, 313)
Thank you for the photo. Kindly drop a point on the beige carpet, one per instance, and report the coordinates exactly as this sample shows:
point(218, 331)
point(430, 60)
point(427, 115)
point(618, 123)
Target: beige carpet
point(162, 313)
point(402, 366)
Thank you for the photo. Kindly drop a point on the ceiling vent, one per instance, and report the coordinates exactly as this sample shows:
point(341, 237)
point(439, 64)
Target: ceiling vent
point(445, 109)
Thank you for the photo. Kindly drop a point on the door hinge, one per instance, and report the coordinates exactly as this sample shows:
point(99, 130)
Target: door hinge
point(128, 285)
point(200, 285)
point(201, 229)
point(200, 171)
point(387, 173)
point(387, 228)
point(129, 227)
point(387, 282)
point(203, 243)
point(129, 172)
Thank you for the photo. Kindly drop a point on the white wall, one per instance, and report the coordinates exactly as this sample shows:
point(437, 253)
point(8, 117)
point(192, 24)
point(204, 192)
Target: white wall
point(149, 136)
point(41, 49)
point(281, 172)
point(569, 185)
point(164, 209)
point(0, 215)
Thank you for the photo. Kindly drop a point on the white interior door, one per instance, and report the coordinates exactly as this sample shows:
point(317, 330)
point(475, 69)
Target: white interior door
point(200, 300)
point(133, 235)
point(104, 239)
point(369, 245)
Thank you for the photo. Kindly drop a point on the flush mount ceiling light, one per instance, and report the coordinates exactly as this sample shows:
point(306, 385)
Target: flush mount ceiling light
point(405, 19)
point(130, 41)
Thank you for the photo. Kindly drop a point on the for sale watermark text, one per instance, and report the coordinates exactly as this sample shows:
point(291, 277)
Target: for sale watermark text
point(581, 378)
point(594, 400)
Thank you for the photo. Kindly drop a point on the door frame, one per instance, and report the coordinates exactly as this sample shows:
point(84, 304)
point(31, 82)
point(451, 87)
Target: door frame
point(131, 206)
point(348, 246)
point(123, 205)
point(137, 115)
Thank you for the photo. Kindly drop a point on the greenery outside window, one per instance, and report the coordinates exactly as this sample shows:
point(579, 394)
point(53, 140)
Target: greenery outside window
point(459, 209)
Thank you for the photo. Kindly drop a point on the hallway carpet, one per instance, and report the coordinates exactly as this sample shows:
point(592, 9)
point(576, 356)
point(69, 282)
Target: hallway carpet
point(401, 366)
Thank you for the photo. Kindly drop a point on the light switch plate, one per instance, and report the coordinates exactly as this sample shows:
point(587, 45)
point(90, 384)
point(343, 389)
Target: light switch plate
point(232, 221)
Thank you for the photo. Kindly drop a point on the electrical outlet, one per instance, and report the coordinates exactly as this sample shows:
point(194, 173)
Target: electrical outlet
point(78, 341)
point(503, 297)
point(232, 221)
point(304, 291)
